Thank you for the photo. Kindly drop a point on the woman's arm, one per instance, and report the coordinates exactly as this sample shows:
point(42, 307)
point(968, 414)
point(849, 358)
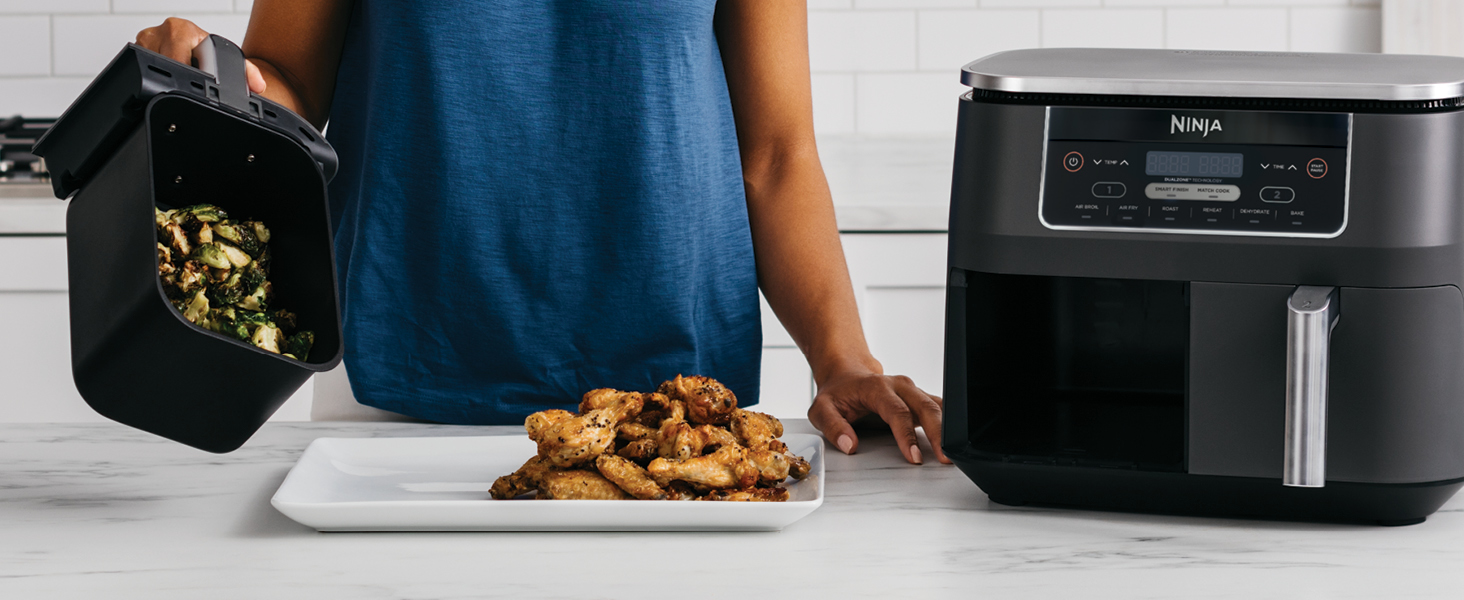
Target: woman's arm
point(293, 49)
point(800, 263)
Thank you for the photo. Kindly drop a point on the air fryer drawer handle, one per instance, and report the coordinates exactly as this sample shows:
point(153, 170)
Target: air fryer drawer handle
point(219, 57)
point(1312, 311)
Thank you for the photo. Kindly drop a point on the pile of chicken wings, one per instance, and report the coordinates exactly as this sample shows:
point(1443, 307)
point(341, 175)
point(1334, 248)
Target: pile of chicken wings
point(685, 441)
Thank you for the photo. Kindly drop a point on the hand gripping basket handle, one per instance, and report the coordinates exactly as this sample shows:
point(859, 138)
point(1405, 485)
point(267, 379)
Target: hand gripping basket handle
point(225, 61)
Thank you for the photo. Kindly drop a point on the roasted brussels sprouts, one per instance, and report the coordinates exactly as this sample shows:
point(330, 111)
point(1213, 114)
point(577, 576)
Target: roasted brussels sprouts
point(215, 272)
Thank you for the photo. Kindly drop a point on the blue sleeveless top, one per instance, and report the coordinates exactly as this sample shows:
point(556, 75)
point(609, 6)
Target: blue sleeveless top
point(536, 199)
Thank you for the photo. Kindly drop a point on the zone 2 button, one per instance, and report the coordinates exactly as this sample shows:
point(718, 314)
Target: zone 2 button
point(1277, 195)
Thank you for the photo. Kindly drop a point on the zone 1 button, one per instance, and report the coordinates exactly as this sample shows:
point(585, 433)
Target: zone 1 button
point(1109, 189)
point(1277, 195)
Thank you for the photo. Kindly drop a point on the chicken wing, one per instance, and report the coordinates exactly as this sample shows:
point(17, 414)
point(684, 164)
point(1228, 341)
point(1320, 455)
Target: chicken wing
point(537, 422)
point(633, 431)
point(754, 429)
point(773, 467)
point(577, 440)
point(578, 484)
point(728, 467)
point(640, 450)
point(749, 495)
point(708, 402)
point(522, 481)
point(630, 477)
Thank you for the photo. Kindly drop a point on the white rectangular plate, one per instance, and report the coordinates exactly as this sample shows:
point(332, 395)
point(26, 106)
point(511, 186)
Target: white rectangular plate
point(441, 484)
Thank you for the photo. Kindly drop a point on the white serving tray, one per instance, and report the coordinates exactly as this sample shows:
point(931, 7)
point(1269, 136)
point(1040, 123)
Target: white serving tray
point(441, 484)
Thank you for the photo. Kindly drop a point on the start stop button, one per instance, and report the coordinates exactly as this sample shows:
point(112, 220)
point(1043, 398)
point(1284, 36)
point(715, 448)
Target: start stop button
point(1316, 167)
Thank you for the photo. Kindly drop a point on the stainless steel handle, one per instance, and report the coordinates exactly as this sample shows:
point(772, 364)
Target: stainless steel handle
point(1312, 311)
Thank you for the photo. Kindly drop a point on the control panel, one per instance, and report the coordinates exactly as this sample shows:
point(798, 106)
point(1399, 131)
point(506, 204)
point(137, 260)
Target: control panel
point(1185, 171)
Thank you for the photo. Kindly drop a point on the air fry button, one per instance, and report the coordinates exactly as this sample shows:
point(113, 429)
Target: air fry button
point(1317, 168)
point(1072, 162)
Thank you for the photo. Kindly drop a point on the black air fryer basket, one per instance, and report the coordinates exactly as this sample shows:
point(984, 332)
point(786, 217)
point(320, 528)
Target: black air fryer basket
point(150, 131)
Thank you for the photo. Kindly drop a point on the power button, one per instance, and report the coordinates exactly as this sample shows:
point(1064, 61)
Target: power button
point(1072, 162)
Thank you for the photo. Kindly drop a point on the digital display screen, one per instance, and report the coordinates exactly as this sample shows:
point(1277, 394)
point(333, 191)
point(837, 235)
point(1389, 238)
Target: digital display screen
point(1194, 164)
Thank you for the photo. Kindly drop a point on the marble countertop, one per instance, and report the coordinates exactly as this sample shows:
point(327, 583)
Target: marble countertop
point(102, 511)
point(879, 185)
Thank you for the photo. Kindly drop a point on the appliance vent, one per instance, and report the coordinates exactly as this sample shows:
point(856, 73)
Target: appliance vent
point(1221, 103)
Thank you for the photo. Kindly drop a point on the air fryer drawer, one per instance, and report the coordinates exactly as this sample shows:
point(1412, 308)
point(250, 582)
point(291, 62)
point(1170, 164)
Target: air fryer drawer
point(1395, 414)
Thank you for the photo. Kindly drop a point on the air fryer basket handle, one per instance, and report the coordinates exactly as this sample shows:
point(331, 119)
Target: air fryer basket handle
point(1312, 311)
point(219, 57)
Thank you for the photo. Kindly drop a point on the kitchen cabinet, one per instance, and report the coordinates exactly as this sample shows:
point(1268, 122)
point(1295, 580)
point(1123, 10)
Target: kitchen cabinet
point(899, 285)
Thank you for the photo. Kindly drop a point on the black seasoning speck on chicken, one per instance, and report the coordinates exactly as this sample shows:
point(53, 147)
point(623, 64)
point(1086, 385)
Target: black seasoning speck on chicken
point(215, 271)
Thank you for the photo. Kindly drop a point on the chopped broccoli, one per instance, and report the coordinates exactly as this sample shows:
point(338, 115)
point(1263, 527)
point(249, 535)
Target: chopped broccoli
point(299, 344)
point(237, 257)
point(213, 255)
point(240, 235)
point(215, 273)
point(197, 308)
point(267, 337)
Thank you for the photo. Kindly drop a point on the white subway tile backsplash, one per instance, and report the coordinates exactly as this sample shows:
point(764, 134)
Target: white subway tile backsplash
point(84, 44)
point(882, 40)
point(907, 103)
point(1160, 3)
point(1226, 29)
point(952, 38)
point(39, 96)
point(1336, 30)
point(833, 103)
point(1094, 28)
point(908, 4)
point(33, 7)
point(167, 6)
point(245, 6)
point(1288, 2)
point(819, 4)
point(1039, 3)
point(26, 46)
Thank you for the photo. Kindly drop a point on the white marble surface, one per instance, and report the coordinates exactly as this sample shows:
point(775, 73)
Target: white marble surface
point(101, 511)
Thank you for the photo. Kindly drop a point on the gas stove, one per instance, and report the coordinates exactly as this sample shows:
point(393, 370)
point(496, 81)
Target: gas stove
point(17, 164)
point(28, 206)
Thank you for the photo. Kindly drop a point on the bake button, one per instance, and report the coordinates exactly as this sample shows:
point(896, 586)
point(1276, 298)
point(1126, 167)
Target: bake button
point(1109, 189)
point(1277, 195)
point(1317, 168)
point(1072, 162)
point(1295, 218)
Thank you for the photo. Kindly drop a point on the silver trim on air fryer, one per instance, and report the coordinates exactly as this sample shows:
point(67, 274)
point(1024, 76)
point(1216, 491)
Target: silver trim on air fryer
point(1311, 313)
point(1042, 197)
point(1099, 71)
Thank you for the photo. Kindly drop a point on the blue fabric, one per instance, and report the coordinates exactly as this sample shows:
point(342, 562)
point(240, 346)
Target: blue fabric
point(537, 198)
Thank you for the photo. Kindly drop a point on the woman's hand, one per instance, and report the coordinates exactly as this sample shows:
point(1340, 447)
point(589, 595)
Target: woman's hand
point(847, 396)
point(176, 38)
